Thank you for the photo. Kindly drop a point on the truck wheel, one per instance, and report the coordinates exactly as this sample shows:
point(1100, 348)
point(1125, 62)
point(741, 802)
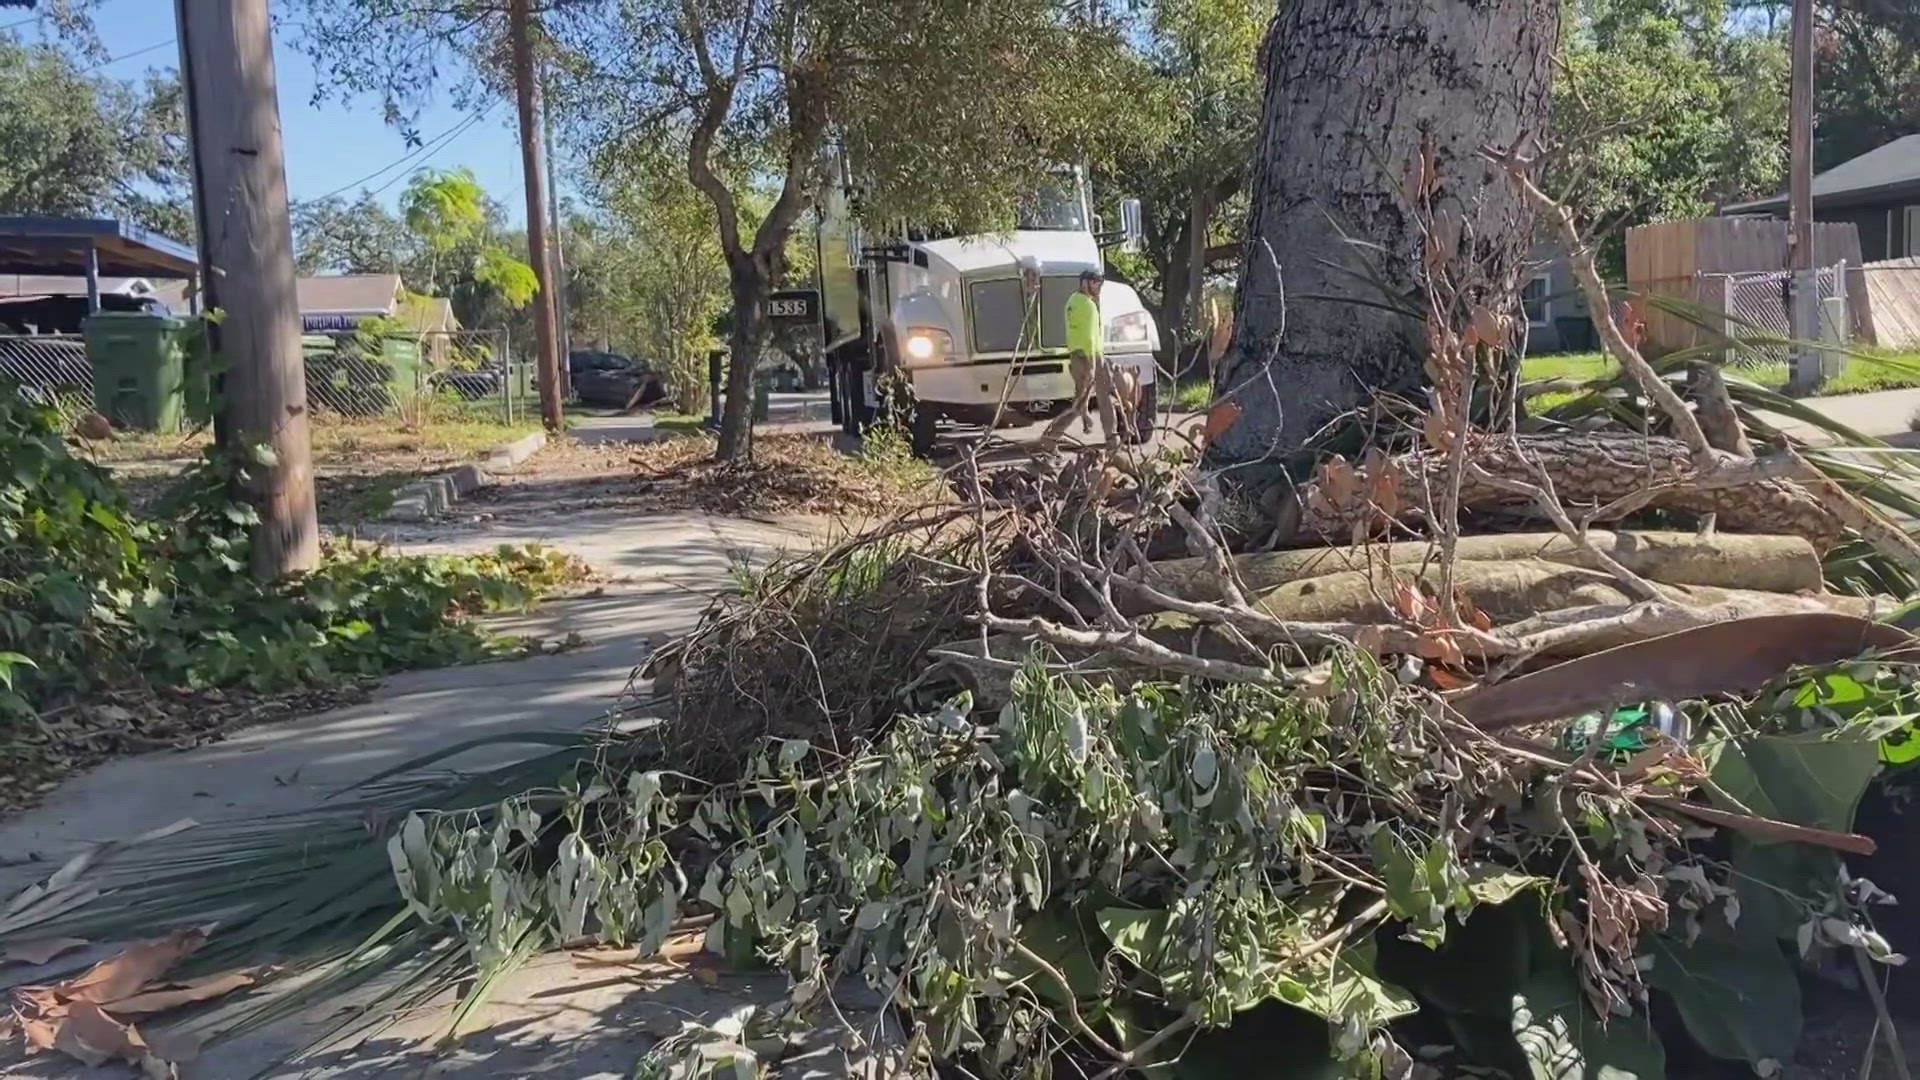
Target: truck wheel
point(853, 404)
point(1145, 415)
point(925, 428)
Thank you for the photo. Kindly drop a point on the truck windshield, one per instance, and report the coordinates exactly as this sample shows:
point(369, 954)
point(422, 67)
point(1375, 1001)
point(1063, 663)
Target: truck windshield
point(1055, 206)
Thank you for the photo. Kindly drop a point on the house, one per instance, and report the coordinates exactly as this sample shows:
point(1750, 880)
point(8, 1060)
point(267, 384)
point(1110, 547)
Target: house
point(1878, 193)
point(1555, 307)
point(332, 303)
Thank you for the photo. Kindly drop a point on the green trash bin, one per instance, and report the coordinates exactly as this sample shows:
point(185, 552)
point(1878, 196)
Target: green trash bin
point(141, 371)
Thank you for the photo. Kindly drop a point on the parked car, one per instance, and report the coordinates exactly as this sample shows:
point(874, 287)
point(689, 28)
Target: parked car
point(609, 380)
point(471, 384)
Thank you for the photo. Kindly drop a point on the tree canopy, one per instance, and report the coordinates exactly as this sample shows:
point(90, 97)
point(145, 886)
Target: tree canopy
point(449, 239)
point(1666, 109)
point(76, 144)
point(1194, 102)
point(335, 236)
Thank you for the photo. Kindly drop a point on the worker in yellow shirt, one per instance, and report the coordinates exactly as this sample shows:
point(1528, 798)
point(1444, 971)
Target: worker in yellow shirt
point(1086, 352)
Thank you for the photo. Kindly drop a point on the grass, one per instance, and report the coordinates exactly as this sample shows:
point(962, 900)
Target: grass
point(359, 463)
point(1871, 369)
point(685, 423)
point(1192, 396)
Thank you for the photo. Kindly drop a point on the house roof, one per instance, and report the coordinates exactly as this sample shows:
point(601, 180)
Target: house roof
point(1890, 170)
point(429, 314)
point(349, 294)
point(51, 245)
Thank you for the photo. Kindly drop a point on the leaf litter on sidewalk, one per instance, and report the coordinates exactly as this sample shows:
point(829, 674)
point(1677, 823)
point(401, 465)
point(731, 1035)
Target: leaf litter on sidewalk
point(92, 1016)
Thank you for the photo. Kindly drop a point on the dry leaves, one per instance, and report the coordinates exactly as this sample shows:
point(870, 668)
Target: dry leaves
point(1368, 497)
point(90, 1016)
point(1439, 632)
point(1220, 419)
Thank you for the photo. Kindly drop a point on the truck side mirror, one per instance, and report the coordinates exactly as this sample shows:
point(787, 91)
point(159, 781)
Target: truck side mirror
point(1133, 229)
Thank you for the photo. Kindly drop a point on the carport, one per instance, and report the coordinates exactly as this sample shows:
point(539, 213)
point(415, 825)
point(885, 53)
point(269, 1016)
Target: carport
point(90, 248)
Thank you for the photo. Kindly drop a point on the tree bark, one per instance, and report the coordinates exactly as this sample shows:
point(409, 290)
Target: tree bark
point(1333, 260)
point(1590, 470)
point(1199, 219)
point(745, 340)
point(1782, 564)
point(526, 95)
point(246, 252)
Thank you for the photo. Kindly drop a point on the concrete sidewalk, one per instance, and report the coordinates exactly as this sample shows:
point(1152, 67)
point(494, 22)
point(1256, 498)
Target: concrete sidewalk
point(553, 1018)
point(1882, 414)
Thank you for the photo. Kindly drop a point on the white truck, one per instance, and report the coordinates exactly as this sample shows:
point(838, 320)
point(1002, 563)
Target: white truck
point(929, 327)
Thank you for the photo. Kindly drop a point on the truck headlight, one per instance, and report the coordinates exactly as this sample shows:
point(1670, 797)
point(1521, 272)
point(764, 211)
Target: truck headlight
point(1129, 329)
point(927, 342)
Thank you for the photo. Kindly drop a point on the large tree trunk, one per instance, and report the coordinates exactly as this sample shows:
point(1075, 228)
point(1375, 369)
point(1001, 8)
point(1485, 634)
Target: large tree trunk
point(749, 283)
point(1352, 91)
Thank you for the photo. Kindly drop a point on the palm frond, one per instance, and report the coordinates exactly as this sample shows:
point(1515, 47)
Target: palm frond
point(313, 891)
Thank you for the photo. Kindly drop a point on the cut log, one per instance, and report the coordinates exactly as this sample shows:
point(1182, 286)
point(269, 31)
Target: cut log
point(1509, 591)
point(1590, 470)
point(1782, 564)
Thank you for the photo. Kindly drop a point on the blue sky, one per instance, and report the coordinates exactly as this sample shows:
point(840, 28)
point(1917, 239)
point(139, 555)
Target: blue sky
point(334, 144)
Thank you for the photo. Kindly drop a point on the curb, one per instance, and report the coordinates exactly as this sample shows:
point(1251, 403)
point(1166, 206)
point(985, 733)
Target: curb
point(423, 499)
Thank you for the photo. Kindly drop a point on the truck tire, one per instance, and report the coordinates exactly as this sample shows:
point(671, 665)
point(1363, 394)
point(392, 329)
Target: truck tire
point(853, 404)
point(924, 428)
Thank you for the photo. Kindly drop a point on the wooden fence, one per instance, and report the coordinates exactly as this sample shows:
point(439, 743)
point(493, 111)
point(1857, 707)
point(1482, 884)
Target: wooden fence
point(1688, 260)
point(1893, 302)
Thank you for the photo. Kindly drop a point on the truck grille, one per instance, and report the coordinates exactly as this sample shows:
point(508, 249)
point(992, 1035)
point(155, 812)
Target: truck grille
point(1000, 316)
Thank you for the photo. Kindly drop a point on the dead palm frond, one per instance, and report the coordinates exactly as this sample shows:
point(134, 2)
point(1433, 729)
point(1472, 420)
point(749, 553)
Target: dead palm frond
point(311, 891)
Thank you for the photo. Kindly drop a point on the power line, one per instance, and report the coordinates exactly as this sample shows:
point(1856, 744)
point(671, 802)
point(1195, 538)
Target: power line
point(431, 146)
point(444, 143)
point(128, 56)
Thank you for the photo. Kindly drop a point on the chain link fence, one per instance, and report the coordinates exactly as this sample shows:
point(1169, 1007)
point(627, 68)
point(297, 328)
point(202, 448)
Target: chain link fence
point(51, 369)
point(418, 377)
point(1761, 303)
point(440, 375)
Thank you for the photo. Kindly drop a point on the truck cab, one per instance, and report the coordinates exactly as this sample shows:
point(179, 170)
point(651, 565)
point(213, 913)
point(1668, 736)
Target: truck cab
point(932, 328)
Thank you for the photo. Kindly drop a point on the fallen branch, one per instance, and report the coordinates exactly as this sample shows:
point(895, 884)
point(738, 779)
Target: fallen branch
point(1782, 564)
point(1615, 473)
point(1600, 307)
point(1766, 828)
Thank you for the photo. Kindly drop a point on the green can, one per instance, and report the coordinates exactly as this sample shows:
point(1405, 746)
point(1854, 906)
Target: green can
point(143, 377)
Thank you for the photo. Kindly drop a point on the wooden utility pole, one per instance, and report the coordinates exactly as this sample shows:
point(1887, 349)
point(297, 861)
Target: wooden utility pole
point(562, 318)
point(246, 268)
point(1804, 300)
point(526, 93)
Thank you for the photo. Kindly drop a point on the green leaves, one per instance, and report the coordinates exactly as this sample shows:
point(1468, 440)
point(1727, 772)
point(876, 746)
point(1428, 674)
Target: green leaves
point(1562, 1038)
point(98, 597)
point(1337, 984)
point(1667, 109)
point(1739, 1002)
point(1814, 780)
